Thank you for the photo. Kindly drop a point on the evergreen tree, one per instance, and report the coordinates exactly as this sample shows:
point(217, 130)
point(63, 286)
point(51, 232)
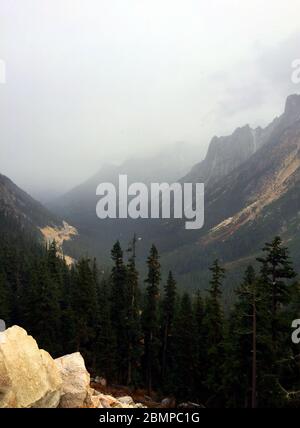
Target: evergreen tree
point(240, 367)
point(42, 311)
point(185, 350)
point(119, 311)
point(105, 348)
point(151, 320)
point(168, 315)
point(276, 275)
point(133, 326)
point(276, 270)
point(84, 303)
point(201, 345)
point(214, 326)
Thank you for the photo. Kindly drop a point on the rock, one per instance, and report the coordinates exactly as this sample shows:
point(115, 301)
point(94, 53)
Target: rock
point(101, 380)
point(168, 403)
point(126, 400)
point(189, 405)
point(139, 406)
point(28, 375)
point(76, 390)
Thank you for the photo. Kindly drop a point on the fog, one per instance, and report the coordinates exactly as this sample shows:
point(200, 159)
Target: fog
point(93, 81)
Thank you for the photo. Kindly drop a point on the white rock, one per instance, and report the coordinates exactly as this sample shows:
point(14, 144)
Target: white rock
point(76, 381)
point(28, 375)
point(126, 400)
point(101, 380)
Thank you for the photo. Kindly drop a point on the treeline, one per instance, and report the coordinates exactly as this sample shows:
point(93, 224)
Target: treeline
point(143, 333)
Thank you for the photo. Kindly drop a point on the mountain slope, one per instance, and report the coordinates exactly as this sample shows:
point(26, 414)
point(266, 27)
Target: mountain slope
point(31, 216)
point(256, 201)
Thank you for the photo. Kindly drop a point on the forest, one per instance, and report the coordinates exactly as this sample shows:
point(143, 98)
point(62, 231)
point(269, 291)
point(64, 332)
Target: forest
point(145, 333)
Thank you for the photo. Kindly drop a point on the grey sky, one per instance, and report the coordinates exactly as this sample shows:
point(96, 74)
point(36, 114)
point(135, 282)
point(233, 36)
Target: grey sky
point(102, 80)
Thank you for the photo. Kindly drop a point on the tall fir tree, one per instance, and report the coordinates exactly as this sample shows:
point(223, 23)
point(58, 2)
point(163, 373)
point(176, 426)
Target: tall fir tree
point(84, 303)
point(133, 325)
point(240, 367)
point(185, 350)
point(214, 326)
point(151, 321)
point(167, 323)
point(201, 345)
point(119, 311)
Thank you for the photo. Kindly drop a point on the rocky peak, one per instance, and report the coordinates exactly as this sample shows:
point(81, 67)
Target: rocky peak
point(292, 107)
point(227, 153)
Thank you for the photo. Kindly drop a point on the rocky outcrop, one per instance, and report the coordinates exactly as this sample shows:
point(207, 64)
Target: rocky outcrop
point(75, 381)
point(29, 377)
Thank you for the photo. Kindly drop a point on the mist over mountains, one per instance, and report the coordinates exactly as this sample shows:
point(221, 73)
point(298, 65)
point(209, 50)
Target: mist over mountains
point(252, 193)
point(251, 180)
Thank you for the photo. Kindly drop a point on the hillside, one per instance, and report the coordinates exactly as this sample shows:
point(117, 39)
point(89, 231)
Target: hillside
point(17, 207)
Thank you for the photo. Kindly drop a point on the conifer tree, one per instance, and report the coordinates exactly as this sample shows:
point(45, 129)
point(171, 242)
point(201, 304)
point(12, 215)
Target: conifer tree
point(133, 325)
point(151, 320)
point(214, 326)
point(185, 350)
point(276, 270)
point(277, 274)
point(201, 345)
point(168, 315)
point(84, 302)
point(43, 309)
point(241, 346)
point(105, 348)
point(119, 310)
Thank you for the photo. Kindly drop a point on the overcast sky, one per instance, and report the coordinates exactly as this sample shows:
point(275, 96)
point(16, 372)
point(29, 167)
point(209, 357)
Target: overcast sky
point(102, 80)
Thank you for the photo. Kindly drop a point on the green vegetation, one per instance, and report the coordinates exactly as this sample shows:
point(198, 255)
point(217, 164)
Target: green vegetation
point(152, 336)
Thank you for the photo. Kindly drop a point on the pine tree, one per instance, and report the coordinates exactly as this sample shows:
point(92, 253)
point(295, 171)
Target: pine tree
point(168, 315)
point(151, 320)
point(119, 299)
point(276, 270)
point(42, 311)
point(214, 326)
point(276, 275)
point(105, 348)
point(84, 303)
point(185, 350)
point(133, 325)
point(201, 345)
point(240, 366)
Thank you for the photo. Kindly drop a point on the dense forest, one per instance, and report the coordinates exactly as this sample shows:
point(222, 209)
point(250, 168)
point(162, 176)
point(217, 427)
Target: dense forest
point(142, 332)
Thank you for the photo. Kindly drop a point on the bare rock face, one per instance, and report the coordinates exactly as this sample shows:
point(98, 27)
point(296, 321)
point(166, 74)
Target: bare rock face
point(76, 381)
point(28, 375)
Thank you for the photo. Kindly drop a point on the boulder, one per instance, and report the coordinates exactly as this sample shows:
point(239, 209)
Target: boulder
point(101, 380)
point(28, 375)
point(168, 403)
point(75, 390)
point(126, 400)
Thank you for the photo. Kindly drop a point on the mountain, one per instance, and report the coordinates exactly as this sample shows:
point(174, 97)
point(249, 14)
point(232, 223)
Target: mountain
point(78, 206)
point(252, 193)
point(19, 207)
point(247, 207)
